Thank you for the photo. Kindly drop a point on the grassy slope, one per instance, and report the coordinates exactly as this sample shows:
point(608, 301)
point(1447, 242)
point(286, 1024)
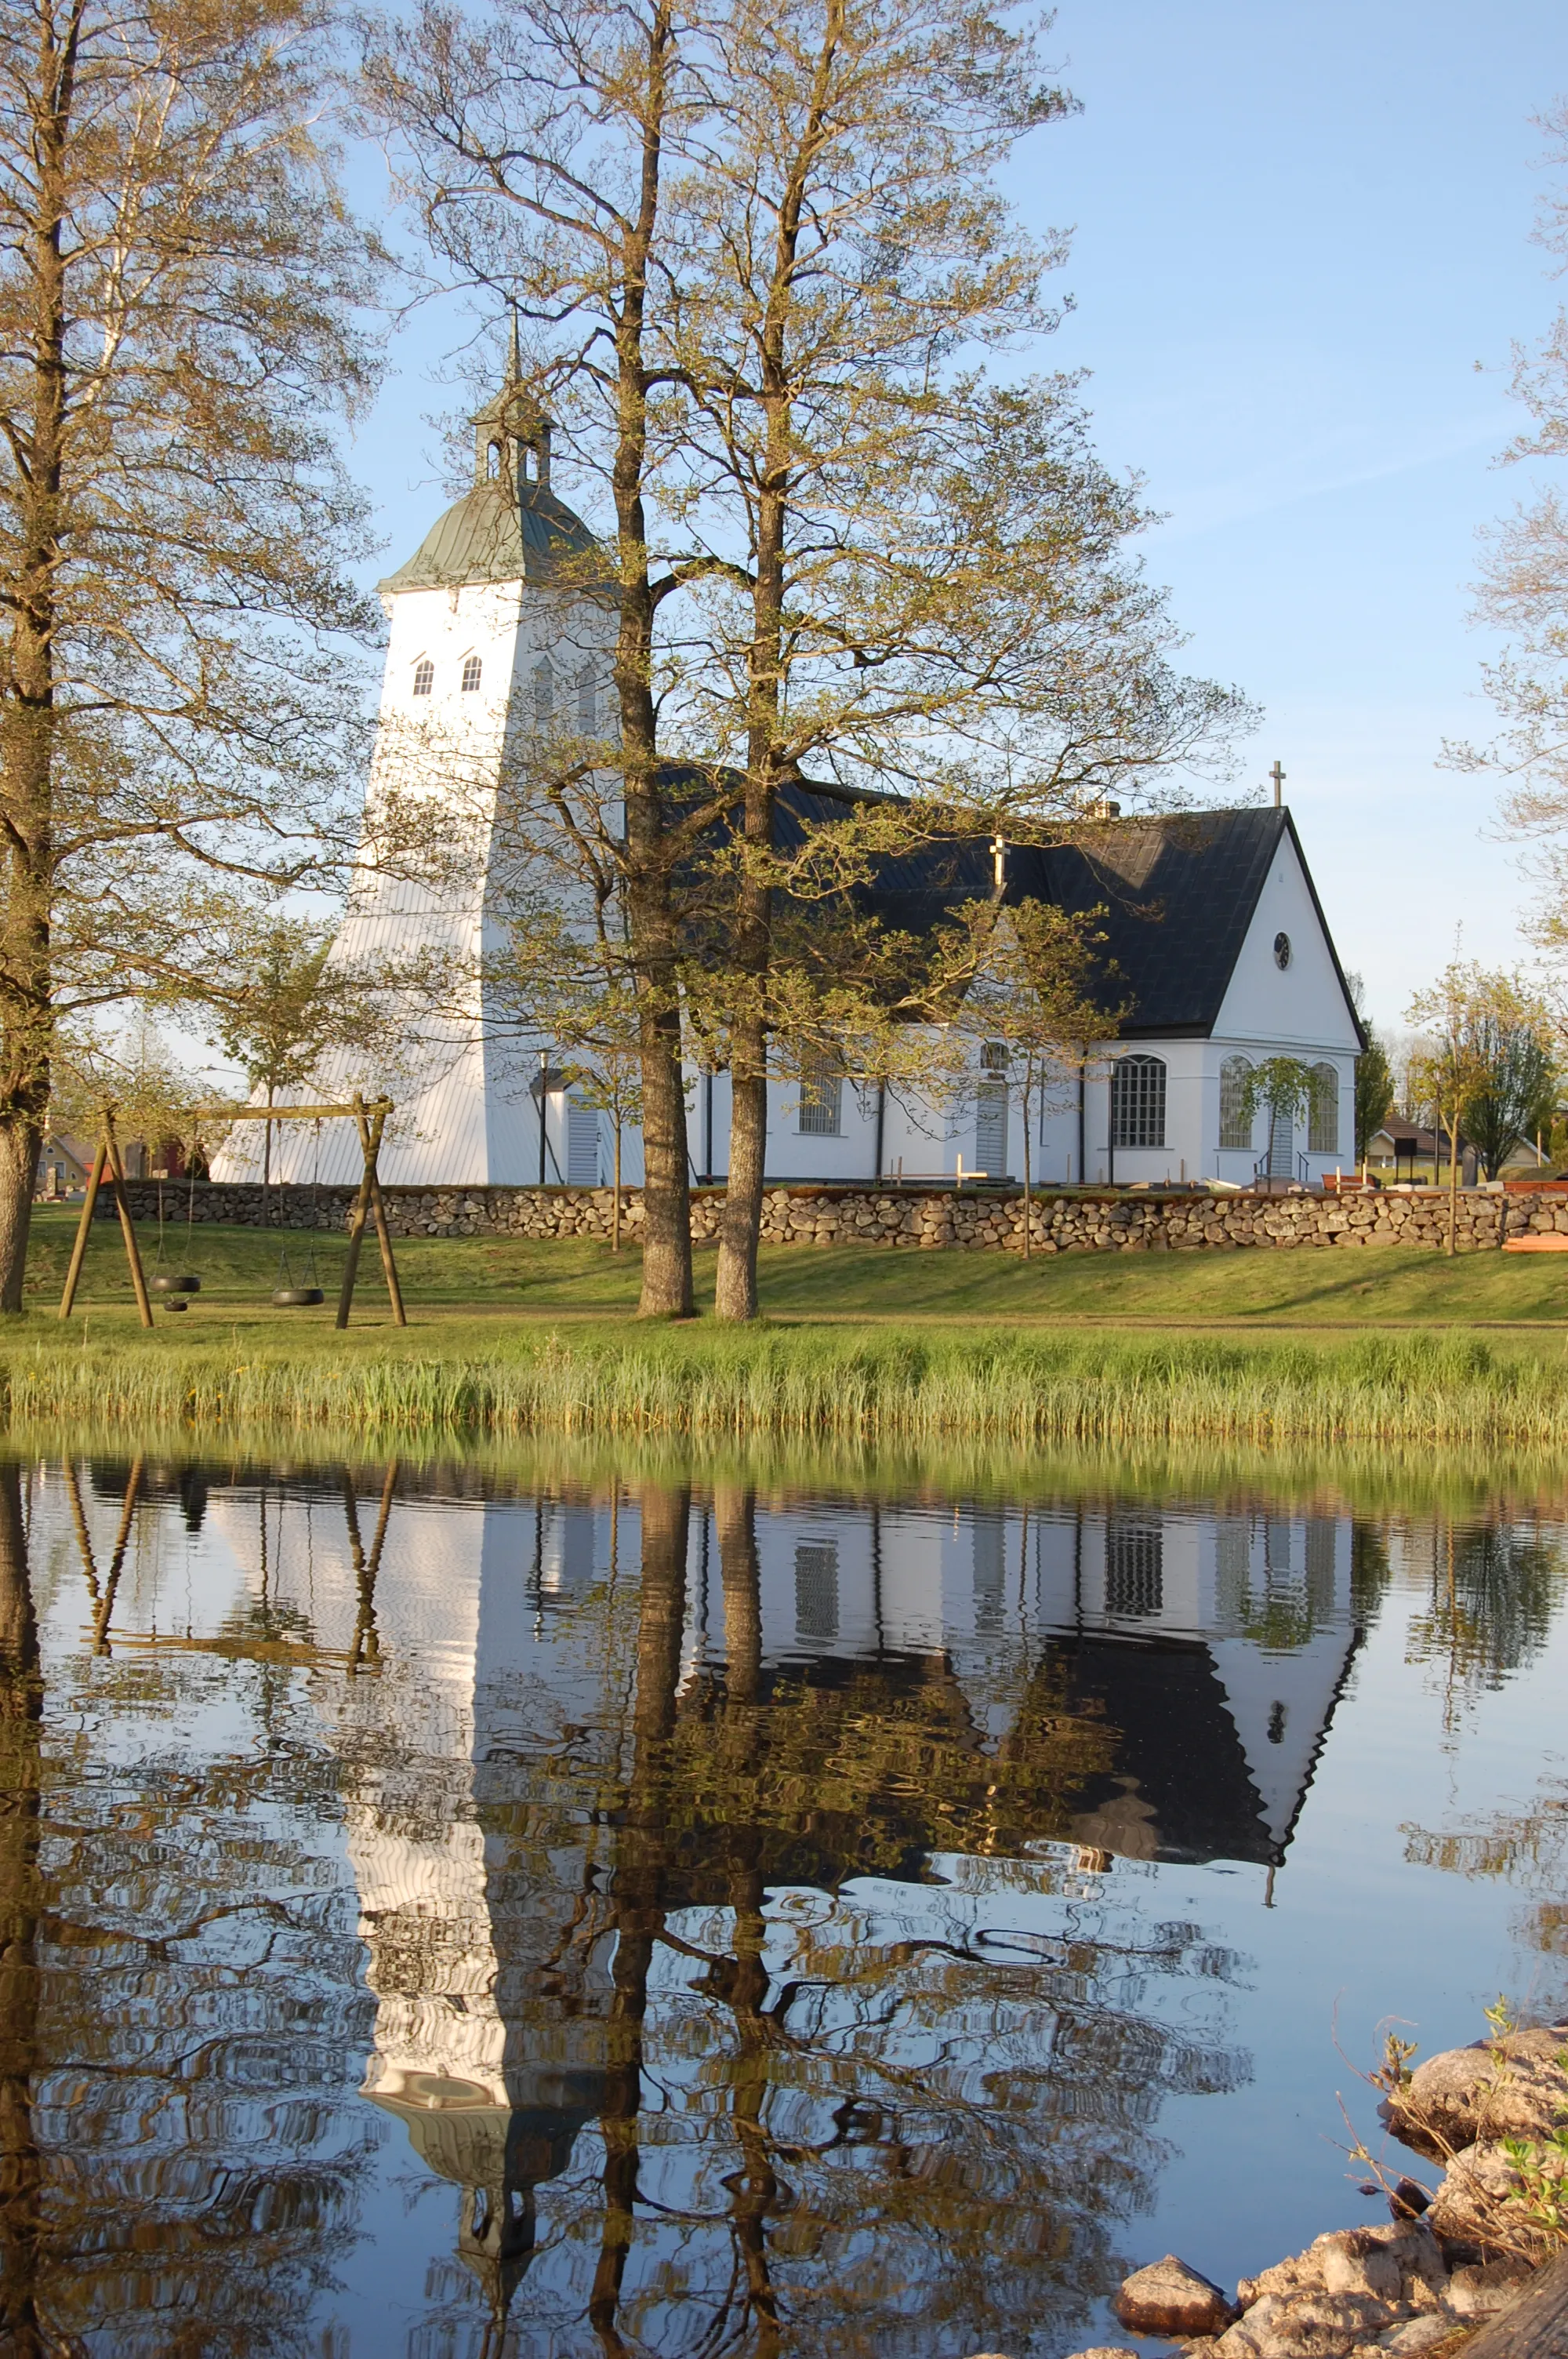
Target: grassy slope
point(484, 1276)
point(1256, 1349)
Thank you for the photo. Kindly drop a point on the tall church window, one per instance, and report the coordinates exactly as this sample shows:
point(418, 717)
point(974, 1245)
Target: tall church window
point(424, 677)
point(544, 692)
point(821, 1099)
point(1323, 1112)
point(587, 703)
point(1234, 1115)
point(472, 667)
point(1138, 1102)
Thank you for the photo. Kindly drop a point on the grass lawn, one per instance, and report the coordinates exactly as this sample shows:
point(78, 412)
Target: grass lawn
point(455, 1281)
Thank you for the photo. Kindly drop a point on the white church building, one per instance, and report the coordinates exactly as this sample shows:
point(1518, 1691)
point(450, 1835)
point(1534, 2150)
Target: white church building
point(1214, 934)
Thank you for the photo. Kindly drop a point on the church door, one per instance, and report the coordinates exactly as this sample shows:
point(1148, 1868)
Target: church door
point(990, 1129)
point(582, 1144)
point(1282, 1147)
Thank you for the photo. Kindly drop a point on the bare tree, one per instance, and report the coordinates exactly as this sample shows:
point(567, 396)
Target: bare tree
point(177, 719)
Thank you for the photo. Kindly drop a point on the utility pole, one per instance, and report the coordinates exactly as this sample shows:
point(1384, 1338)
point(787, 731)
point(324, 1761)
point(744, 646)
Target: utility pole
point(1279, 777)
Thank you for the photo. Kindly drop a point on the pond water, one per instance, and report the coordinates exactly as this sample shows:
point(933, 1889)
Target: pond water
point(461, 1910)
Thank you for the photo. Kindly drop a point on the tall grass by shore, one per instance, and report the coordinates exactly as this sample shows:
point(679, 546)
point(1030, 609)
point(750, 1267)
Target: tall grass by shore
point(905, 1387)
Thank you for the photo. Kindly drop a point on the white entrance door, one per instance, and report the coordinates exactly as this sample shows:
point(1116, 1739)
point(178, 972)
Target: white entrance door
point(582, 1144)
point(1282, 1147)
point(990, 1129)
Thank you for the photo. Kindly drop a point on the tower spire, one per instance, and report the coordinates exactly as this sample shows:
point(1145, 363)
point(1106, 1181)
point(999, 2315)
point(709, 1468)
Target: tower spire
point(514, 355)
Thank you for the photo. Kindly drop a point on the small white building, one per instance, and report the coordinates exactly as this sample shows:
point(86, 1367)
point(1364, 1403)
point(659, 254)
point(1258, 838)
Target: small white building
point(1218, 950)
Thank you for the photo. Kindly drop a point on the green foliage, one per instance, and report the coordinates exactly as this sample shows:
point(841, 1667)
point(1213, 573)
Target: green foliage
point(278, 1006)
point(1490, 1064)
point(1374, 1092)
point(1541, 2165)
point(1285, 1086)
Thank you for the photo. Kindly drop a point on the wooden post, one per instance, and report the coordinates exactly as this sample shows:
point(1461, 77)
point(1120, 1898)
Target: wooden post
point(127, 1226)
point(356, 1225)
point(79, 1250)
point(369, 1139)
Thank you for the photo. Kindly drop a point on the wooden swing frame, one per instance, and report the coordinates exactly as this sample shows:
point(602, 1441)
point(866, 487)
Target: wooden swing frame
point(369, 1119)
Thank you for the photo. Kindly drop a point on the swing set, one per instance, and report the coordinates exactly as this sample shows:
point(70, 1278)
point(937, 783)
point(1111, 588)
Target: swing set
point(173, 1287)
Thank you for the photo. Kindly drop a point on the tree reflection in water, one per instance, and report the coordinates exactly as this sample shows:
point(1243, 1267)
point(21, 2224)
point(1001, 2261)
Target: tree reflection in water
point(714, 1897)
point(180, 1991)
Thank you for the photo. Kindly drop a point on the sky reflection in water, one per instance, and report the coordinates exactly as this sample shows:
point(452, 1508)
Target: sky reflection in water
point(667, 1918)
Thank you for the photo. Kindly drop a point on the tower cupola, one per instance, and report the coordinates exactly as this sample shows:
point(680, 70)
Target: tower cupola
point(512, 434)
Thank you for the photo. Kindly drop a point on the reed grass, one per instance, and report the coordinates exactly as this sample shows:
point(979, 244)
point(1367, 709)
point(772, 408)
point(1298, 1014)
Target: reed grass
point(912, 1388)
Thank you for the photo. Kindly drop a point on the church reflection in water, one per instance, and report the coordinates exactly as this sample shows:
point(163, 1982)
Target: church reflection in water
point(689, 1796)
point(739, 1881)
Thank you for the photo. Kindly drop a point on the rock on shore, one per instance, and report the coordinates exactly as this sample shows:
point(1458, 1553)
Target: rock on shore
point(1417, 2285)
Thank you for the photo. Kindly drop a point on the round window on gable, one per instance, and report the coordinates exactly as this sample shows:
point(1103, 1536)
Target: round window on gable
point(424, 676)
point(1282, 951)
point(471, 669)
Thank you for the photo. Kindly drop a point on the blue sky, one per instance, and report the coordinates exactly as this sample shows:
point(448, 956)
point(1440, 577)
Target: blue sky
point(1296, 232)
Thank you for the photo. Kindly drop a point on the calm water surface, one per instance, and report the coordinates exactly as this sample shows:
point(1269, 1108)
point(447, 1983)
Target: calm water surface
point(445, 1915)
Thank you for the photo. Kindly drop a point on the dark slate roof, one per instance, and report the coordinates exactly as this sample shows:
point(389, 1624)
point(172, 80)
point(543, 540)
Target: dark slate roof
point(497, 532)
point(1178, 894)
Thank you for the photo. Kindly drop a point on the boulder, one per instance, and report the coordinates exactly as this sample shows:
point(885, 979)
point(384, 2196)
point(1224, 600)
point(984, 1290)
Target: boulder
point(1479, 2290)
point(1512, 2087)
point(1168, 2297)
point(1473, 2206)
point(1418, 2334)
point(1306, 2326)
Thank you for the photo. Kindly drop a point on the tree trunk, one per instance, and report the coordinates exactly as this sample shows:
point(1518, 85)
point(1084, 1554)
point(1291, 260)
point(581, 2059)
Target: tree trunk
point(615, 1196)
point(21, 1713)
point(736, 1287)
point(27, 744)
point(667, 1198)
point(740, 1226)
point(1454, 1187)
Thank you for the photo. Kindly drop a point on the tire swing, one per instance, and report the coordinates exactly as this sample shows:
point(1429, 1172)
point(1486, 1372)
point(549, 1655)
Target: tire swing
point(173, 1285)
point(286, 1295)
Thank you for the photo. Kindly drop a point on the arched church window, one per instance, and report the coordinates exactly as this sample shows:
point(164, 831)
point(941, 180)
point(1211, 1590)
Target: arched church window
point(821, 1098)
point(493, 461)
point(543, 691)
point(1322, 1111)
point(1234, 1115)
point(424, 677)
point(1138, 1102)
point(587, 703)
point(472, 667)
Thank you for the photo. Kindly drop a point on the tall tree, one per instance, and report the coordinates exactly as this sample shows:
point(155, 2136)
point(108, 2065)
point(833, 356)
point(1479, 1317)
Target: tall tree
point(914, 576)
point(178, 284)
point(534, 150)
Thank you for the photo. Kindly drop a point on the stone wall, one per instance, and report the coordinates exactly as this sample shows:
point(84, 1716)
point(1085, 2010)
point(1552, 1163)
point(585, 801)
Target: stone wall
point(1073, 1220)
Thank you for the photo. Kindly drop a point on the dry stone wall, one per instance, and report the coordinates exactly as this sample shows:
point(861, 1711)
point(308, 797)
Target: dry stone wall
point(1071, 1220)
